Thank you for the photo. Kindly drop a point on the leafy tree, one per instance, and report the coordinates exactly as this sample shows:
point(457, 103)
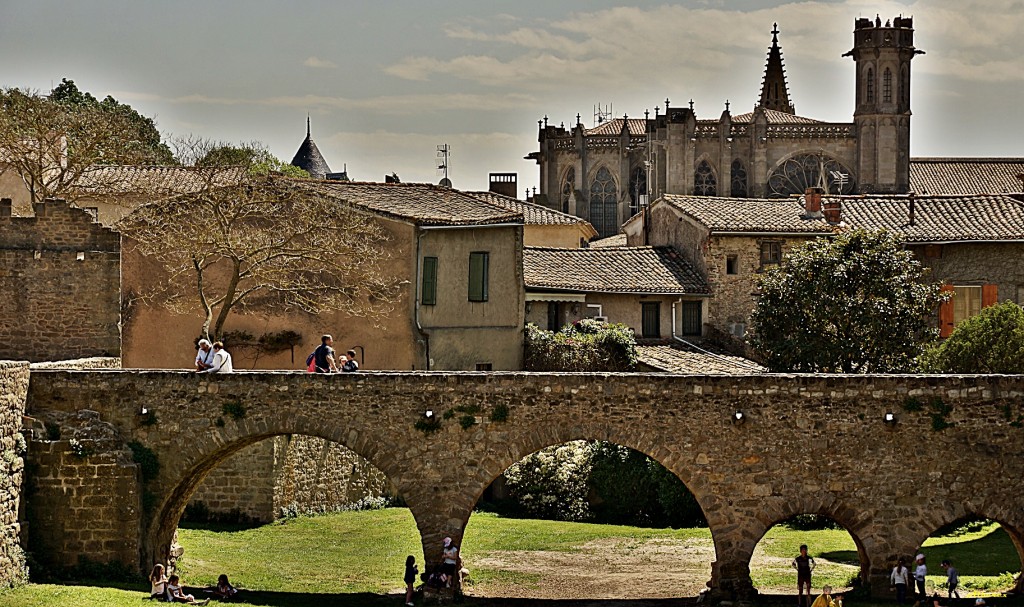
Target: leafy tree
point(552, 483)
point(254, 155)
point(586, 345)
point(854, 304)
point(50, 142)
point(989, 342)
point(267, 242)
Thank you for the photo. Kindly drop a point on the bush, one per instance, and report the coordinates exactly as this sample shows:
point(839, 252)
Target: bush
point(990, 342)
point(586, 345)
point(552, 483)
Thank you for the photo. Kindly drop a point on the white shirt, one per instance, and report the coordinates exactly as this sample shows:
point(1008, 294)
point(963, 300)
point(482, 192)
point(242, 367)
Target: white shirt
point(920, 572)
point(204, 357)
point(221, 362)
point(899, 576)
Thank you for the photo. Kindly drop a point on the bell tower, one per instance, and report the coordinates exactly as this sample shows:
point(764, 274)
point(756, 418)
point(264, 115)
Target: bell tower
point(882, 54)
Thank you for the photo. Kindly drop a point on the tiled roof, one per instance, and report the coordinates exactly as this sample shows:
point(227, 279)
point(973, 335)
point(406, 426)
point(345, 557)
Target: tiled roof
point(159, 180)
point(637, 126)
point(776, 117)
point(309, 158)
point(611, 270)
point(939, 218)
point(754, 215)
point(533, 214)
point(941, 176)
point(422, 203)
point(678, 358)
point(619, 240)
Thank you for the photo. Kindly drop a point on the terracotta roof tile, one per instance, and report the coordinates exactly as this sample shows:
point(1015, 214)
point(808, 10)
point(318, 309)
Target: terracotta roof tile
point(159, 180)
point(939, 218)
point(619, 240)
point(611, 270)
point(533, 214)
point(955, 176)
point(422, 203)
point(776, 117)
point(637, 126)
point(678, 358)
point(754, 215)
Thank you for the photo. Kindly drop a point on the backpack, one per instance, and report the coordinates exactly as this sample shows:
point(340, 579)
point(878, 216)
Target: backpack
point(311, 363)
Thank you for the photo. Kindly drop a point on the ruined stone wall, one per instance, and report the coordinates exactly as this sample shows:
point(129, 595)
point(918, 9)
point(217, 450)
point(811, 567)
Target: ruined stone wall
point(59, 285)
point(13, 388)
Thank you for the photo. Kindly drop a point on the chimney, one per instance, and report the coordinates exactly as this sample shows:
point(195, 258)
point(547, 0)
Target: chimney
point(911, 199)
point(812, 201)
point(832, 210)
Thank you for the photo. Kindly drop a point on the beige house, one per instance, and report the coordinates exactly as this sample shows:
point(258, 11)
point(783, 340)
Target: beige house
point(653, 290)
point(974, 244)
point(458, 258)
point(544, 227)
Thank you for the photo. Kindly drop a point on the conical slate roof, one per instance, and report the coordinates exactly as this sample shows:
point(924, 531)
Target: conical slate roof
point(309, 158)
point(774, 92)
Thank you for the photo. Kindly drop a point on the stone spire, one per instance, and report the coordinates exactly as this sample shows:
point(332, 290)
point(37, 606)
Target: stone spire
point(309, 158)
point(774, 92)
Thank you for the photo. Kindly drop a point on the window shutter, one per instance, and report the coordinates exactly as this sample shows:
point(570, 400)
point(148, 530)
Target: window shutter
point(946, 313)
point(428, 293)
point(478, 272)
point(989, 295)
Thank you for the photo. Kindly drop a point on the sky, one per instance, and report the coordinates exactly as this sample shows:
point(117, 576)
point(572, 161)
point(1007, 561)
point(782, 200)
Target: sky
point(386, 81)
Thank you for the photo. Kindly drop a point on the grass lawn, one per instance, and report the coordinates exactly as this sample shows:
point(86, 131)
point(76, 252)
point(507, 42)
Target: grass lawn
point(357, 558)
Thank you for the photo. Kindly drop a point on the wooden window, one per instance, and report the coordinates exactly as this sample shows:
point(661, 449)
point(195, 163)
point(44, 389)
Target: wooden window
point(478, 275)
point(732, 264)
point(554, 316)
point(965, 303)
point(650, 321)
point(428, 289)
point(691, 322)
point(771, 253)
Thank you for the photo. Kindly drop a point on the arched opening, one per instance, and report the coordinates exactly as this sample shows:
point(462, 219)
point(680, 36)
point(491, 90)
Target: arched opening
point(705, 183)
point(984, 555)
point(604, 203)
point(296, 554)
point(738, 175)
point(797, 173)
point(568, 187)
point(587, 520)
point(838, 558)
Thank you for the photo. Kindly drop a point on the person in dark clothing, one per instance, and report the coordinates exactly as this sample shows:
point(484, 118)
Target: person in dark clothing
point(350, 365)
point(411, 570)
point(323, 356)
point(803, 564)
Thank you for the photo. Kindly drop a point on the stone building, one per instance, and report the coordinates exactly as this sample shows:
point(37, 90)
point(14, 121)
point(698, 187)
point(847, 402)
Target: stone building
point(974, 244)
point(543, 227)
point(605, 173)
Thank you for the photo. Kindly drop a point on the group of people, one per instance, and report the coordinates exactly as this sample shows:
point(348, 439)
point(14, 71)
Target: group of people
point(323, 359)
point(213, 358)
point(900, 579)
point(447, 575)
point(804, 565)
point(169, 589)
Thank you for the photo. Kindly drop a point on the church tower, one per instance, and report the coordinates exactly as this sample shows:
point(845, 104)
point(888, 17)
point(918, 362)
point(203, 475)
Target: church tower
point(774, 92)
point(882, 54)
point(309, 158)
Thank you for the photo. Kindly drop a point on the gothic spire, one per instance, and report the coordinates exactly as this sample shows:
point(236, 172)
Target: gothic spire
point(308, 157)
point(774, 92)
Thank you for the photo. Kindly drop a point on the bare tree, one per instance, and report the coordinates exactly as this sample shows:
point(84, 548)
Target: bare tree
point(51, 144)
point(269, 243)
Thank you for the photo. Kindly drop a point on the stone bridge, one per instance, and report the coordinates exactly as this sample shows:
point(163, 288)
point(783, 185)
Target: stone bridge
point(754, 450)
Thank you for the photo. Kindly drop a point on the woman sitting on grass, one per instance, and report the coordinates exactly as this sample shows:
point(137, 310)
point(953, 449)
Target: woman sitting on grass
point(157, 582)
point(224, 590)
point(176, 595)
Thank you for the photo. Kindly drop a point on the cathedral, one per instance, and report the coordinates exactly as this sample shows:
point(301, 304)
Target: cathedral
point(604, 174)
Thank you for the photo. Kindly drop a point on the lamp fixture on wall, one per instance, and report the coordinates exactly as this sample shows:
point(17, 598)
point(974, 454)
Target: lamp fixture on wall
point(890, 418)
point(738, 418)
point(429, 414)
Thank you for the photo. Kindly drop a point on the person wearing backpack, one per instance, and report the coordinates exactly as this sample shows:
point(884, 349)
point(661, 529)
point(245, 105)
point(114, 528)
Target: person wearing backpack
point(322, 359)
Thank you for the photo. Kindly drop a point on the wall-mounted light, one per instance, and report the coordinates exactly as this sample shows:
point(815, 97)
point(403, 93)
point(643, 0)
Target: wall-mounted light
point(429, 414)
point(144, 411)
point(738, 418)
point(890, 418)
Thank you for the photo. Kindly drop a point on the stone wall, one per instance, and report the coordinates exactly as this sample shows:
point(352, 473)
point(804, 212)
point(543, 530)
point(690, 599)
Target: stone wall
point(95, 362)
point(801, 447)
point(59, 284)
point(13, 388)
point(242, 487)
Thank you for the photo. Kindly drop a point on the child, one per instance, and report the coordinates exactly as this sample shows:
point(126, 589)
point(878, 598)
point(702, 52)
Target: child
point(411, 570)
point(176, 595)
point(899, 577)
point(952, 578)
point(157, 582)
point(824, 599)
point(224, 590)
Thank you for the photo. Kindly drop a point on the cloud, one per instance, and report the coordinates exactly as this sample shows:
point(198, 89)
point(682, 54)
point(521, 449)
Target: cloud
point(317, 62)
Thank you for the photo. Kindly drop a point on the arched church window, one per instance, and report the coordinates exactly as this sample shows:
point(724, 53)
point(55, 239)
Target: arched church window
point(803, 171)
point(604, 214)
point(870, 86)
point(704, 181)
point(738, 178)
point(637, 189)
point(887, 86)
point(568, 185)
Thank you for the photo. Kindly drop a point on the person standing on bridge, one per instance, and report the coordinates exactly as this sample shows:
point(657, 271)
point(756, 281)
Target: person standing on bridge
point(221, 360)
point(803, 564)
point(323, 356)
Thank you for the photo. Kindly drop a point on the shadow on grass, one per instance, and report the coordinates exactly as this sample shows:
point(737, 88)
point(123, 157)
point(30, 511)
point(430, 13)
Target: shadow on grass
point(846, 557)
point(218, 527)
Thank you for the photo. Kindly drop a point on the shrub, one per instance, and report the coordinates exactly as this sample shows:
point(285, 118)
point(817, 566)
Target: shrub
point(586, 345)
point(552, 483)
point(989, 342)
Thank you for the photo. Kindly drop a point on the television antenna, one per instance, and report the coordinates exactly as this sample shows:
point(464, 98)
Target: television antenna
point(602, 116)
point(444, 154)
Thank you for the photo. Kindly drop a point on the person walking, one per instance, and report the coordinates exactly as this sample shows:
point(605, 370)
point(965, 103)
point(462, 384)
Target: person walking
point(411, 571)
point(221, 360)
point(323, 356)
point(920, 572)
point(900, 577)
point(952, 578)
point(803, 564)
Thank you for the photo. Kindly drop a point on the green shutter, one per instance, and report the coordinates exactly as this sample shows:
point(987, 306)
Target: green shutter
point(478, 270)
point(428, 292)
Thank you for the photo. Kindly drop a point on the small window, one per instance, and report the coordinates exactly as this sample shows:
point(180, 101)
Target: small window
point(484, 366)
point(966, 303)
point(771, 253)
point(554, 316)
point(887, 86)
point(650, 321)
point(428, 292)
point(692, 322)
point(478, 275)
point(732, 264)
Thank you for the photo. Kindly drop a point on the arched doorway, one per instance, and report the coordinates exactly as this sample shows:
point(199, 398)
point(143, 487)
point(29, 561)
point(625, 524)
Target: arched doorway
point(986, 555)
point(588, 520)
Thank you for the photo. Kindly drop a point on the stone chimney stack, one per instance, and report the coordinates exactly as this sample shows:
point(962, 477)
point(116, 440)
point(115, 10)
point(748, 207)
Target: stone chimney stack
point(832, 208)
point(812, 202)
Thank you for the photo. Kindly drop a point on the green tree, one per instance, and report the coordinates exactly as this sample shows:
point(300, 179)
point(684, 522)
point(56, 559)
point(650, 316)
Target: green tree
point(855, 303)
point(990, 342)
point(254, 155)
